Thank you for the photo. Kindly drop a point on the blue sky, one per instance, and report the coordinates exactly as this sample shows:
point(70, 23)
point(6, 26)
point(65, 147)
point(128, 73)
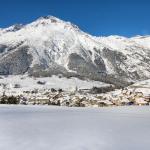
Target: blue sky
point(97, 17)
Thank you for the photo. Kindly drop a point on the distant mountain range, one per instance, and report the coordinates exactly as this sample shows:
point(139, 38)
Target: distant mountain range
point(50, 46)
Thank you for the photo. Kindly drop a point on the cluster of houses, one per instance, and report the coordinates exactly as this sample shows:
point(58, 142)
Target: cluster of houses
point(128, 97)
point(76, 98)
point(79, 98)
point(121, 98)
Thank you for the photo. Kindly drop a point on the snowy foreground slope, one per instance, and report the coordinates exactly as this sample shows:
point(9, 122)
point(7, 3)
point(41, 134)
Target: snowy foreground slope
point(50, 46)
point(55, 128)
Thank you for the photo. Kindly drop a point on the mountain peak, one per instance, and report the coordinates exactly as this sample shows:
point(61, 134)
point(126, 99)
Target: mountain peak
point(13, 28)
point(51, 18)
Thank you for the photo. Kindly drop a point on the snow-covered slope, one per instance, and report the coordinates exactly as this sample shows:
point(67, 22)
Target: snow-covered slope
point(51, 46)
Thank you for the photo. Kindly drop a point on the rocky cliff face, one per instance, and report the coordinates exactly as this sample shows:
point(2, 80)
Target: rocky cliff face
point(51, 46)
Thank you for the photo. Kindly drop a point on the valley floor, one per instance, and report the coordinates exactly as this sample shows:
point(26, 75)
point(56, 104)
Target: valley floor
point(63, 128)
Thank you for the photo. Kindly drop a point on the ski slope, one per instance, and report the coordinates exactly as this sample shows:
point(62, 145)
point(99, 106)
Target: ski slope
point(55, 128)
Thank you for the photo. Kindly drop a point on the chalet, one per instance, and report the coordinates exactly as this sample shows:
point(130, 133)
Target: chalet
point(140, 101)
point(124, 101)
point(147, 98)
point(105, 103)
point(139, 94)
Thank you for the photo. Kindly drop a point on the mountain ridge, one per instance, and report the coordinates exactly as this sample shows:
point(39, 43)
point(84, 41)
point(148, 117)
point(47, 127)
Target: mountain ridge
point(50, 46)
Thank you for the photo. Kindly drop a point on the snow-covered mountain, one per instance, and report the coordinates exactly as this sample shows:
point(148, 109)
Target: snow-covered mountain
point(51, 46)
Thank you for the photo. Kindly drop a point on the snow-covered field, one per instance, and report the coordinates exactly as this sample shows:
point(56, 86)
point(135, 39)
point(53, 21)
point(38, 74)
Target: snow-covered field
point(142, 86)
point(30, 83)
point(61, 128)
